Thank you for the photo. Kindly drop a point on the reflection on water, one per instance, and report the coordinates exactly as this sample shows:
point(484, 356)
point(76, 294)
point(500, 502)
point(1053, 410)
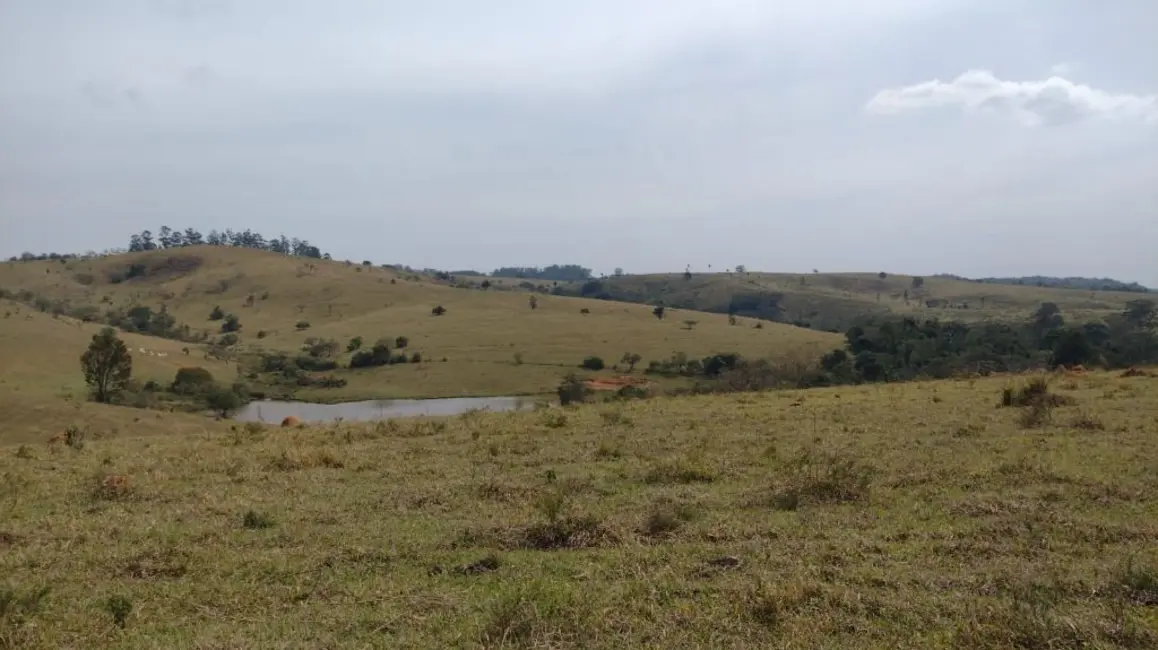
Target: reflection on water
point(274, 412)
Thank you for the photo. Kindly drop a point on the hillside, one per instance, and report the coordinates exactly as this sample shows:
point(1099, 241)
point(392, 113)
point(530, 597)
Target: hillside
point(1071, 282)
point(487, 342)
point(833, 301)
point(900, 516)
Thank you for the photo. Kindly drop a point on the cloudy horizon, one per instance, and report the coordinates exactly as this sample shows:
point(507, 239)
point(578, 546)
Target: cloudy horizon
point(909, 136)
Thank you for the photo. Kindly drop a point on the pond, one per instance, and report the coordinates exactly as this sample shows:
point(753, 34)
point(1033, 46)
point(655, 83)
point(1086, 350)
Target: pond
point(273, 412)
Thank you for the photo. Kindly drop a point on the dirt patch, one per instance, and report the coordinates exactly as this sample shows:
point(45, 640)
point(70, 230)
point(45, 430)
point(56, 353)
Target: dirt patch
point(615, 383)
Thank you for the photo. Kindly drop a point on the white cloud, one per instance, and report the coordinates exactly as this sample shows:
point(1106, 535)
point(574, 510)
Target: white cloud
point(1033, 103)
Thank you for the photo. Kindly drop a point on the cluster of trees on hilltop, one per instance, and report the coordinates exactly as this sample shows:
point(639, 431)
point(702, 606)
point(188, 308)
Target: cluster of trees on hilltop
point(891, 349)
point(1087, 284)
point(555, 272)
point(168, 238)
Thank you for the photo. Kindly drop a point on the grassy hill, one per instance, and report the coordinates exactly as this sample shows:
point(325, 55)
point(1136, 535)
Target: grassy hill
point(833, 301)
point(887, 516)
point(487, 342)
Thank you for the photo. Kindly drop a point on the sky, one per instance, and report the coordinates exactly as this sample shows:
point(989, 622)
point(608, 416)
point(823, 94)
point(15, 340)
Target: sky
point(976, 137)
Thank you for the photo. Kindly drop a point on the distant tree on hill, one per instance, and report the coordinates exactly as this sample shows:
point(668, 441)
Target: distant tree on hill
point(658, 312)
point(882, 275)
point(169, 238)
point(918, 283)
point(1141, 313)
point(618, 272)
point(631, 358)
point(107, 365)
point(560, 273)
point(740, 268)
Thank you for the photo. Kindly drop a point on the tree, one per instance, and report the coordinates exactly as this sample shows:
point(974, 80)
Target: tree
point(486, 284)
point(882, 275)
point(223, 400)
point(1072, 347)
point(618, 272)
point(658, 312)
point(740, 268)
point(918, 283)
point(1141, 313)
point(631, 358)
point(107, 365)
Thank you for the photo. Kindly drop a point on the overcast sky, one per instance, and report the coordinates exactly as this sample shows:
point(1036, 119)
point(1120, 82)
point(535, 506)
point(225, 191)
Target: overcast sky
point(914, 136)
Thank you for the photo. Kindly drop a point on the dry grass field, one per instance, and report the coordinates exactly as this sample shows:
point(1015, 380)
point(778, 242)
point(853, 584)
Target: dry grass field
point(833, 300)
point(493, 343)
point(918, 516)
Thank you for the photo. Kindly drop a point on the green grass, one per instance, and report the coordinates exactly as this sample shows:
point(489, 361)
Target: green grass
point(915, 523)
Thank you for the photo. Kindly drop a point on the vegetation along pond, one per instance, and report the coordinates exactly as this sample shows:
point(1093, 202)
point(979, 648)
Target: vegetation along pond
point(274, 412)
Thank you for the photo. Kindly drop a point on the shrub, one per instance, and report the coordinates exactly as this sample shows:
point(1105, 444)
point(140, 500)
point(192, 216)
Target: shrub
point(254, 520)
point(261, 334)
point(314, 364)
point(822, 477)
point(232, 323)
point(302, 325)
point(401, 342)
point(572, 390)
point(666, 517)
point(438, 311)
point(678, 471)
point(398, 358)
point(354, 344)
point(227, 340)
point(217, 313)
point(321, 348)
point(192, 380)
point(416, 357)
point(592, 363)
point(119, 608)
point(74, 437)
point(1035, 391)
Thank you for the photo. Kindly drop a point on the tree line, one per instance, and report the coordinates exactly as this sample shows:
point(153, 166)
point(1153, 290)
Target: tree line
point(167, 237)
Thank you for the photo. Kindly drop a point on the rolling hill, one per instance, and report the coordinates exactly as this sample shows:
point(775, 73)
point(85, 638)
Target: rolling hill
point(487, 342)
point(834, 301)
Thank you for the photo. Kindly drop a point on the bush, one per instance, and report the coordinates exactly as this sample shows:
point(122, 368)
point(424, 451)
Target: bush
point(572, 390)
point(302, 325)
point(227, 340)
point(232, 324)
point(354, 344)
point(401, 342)
point(416, 357)
point(593, 363)
point(261, 334)
point(438, 311)
point(192, 380)
point(314, 364)
point(217, 313)
point(322, 348)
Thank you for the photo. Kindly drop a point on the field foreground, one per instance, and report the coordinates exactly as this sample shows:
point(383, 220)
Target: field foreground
point(897, 516)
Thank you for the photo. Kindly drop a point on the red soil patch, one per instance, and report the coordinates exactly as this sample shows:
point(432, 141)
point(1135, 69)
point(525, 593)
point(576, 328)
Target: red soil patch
point(615, 383)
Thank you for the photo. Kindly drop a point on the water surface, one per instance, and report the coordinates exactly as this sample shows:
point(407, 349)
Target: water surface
point(274, 412)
